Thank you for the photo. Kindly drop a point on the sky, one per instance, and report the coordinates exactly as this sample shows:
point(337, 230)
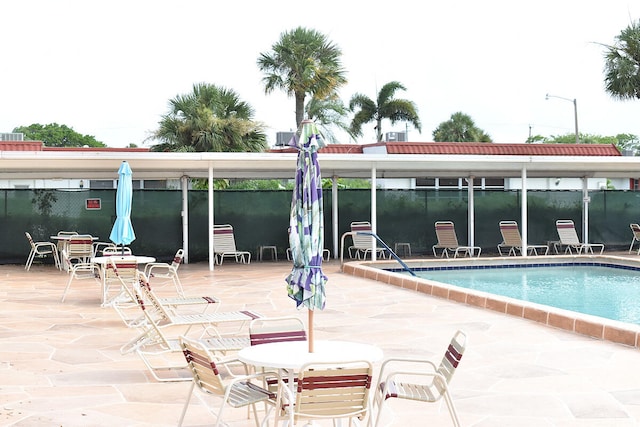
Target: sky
point(109, 68)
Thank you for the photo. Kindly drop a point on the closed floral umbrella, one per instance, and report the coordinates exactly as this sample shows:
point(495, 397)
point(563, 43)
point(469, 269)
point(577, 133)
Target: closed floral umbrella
point(122, 232)
point(306, 282)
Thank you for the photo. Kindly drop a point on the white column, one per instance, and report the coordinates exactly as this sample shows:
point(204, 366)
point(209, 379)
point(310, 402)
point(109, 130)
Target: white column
point(585, 209)
point(523, 213)
point(334, 214)
point(210, 191)
point(374, 213)
point(470, 212)
point(185, 217)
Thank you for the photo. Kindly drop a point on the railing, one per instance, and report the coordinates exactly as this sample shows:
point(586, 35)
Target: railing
point(384, 245)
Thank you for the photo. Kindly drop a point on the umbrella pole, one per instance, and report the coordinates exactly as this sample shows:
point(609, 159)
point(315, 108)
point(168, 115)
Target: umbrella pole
point(310, 330)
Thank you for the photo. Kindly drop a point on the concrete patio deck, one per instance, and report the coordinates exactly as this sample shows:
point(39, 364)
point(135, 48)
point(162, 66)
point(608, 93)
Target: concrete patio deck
point(60, 363)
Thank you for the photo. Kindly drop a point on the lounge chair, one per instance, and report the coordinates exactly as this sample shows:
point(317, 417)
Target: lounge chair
point(224, 245)
point(569, 238)
point(512, 241)
point(363, 243)
point(635, 229)
point(448, 242)
point(158, 351)
point(420, 380)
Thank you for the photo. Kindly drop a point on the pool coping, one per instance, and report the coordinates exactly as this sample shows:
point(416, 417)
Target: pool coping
point(584, 324)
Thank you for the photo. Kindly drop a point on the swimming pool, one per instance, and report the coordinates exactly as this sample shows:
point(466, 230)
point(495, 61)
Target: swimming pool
point(600, 290)
point(571, 319)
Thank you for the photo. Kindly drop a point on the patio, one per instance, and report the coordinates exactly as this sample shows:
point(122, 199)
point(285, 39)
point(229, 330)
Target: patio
point(60, 363)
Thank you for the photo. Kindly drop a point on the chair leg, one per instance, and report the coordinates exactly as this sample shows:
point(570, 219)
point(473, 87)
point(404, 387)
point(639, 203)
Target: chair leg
point(186, 404)
point(64, 294)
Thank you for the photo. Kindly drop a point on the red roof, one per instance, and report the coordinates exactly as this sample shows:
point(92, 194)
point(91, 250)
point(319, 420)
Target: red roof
point(473, 148)
point(497, 149)
point(20, 145)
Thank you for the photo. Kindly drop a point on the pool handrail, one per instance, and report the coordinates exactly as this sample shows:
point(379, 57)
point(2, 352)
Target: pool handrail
point(384, 245)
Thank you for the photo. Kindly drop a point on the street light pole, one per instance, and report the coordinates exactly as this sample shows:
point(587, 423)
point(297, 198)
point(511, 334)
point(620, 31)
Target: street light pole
point(575, 111)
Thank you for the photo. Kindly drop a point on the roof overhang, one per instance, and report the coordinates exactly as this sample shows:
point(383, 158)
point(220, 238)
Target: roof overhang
point(152, 165)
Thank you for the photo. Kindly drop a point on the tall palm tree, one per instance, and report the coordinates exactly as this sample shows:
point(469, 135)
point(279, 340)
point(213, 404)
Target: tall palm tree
point(622, 64)
point(385, 107)
point(328, 114)
point(211, 118)
point(303, 62)
point(459, 128)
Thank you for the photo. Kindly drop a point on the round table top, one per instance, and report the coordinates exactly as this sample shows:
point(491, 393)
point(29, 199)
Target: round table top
point(294, 354)
point(69, 236)
point(140, 259)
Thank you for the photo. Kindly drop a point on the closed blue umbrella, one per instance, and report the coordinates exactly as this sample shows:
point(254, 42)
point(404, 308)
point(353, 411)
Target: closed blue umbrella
point(122, 232)
point(306, 282)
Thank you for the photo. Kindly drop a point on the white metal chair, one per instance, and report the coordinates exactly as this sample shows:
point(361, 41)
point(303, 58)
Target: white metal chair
point(41, 250)
point(237, 392)
point(165, 270)
point(79, 271)
point(420, 380)
point(328, 390)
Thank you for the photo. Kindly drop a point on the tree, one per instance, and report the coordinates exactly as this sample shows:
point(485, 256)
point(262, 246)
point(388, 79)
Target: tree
point(385, 107)
point(211, 118)
point(55, 135)
point(460, 128)
point(622, 64)
point(303, 62)
point(328, 113)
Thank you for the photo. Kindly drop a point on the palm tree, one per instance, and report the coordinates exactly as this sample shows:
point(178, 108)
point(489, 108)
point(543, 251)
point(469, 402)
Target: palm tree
point(303, 62)
point(386, 107)
point(211, 118)
point(622, 64)
point(459, 128)
point(328, 114)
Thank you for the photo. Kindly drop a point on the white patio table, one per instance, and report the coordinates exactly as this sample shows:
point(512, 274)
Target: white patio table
point(289, 356)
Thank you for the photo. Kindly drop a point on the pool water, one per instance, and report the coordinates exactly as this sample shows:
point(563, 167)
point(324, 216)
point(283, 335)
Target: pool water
point(609, 292)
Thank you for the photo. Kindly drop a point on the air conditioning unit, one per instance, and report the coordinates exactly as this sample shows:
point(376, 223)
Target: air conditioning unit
point(283, 138)
point(396, 136)
point(11, 137)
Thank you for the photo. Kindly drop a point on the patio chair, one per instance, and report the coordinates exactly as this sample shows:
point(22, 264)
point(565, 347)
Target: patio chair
point(116, 250)
point(113, 273)
point(512, 240)
point(362, 243)
point(79, 248)
point(79, 271)
point(163, 270)
point(237, 392)
point(41, 250)
point(276, 329)
point(448, 242)
point(635, 229)
point(62, 243)
point(420, 380)
point(328, 390)
point(569, 238)
point(224, 245)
